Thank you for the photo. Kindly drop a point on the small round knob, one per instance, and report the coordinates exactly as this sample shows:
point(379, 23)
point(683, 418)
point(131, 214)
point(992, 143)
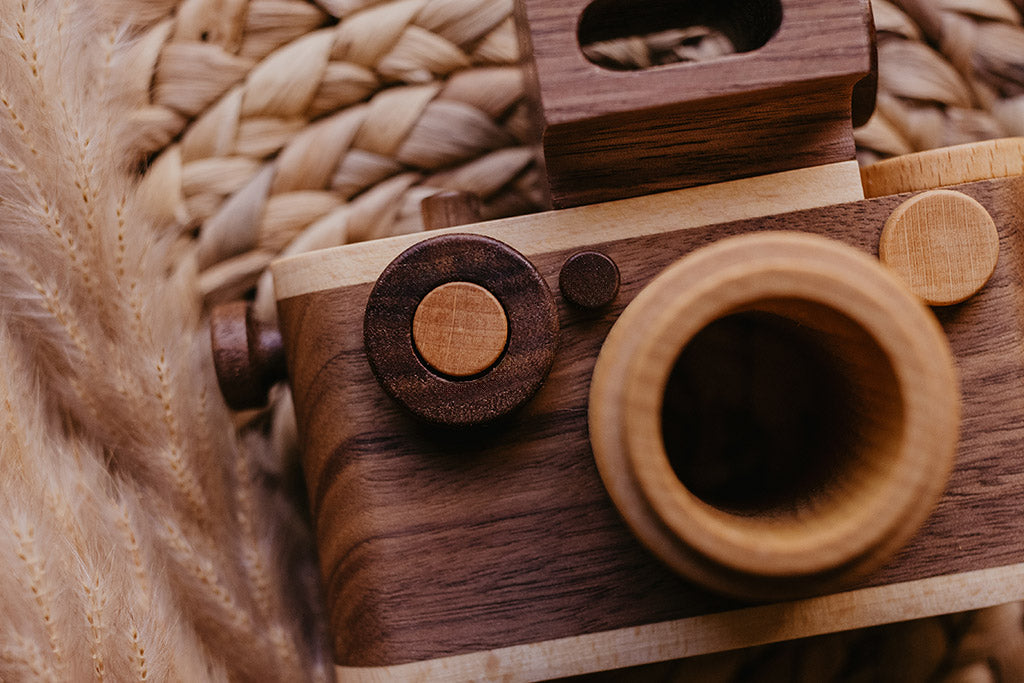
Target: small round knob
point(247, 355)
point(460, 329)
point(589, 279)
point(943, 244)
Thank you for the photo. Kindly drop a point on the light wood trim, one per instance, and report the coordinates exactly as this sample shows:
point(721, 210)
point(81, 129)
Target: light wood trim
point(944, 167)
point(806, 188)
point(713, 633)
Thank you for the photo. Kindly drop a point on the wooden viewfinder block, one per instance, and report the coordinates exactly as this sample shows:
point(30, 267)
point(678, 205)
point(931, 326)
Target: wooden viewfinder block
point(610, 134)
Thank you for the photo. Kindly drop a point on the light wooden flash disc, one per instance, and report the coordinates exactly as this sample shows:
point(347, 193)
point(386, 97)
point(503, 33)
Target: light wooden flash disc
point(943, 244)
point(460, 329)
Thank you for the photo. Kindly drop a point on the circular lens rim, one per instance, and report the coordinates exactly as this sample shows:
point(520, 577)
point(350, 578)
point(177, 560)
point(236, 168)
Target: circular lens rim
point(734, 553)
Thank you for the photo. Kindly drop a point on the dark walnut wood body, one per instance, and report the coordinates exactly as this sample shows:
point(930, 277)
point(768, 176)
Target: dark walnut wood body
point(611, 134)
point(440, 543)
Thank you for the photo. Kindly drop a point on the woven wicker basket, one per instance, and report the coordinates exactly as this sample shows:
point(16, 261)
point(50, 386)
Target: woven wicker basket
point(279, 126)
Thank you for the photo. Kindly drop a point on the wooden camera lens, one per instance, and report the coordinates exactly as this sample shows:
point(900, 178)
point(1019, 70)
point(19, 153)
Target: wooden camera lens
point(775, 415)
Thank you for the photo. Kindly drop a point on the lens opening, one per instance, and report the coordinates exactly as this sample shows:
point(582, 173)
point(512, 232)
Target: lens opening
point(785, 408)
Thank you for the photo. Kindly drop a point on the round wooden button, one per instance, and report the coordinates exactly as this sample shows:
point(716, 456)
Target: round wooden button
point(430, 385)
point(943, 244)
point(460, 329)
point(589, 279)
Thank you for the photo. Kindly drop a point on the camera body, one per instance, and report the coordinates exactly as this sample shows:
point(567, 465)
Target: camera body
point(467, 553)
point(687, 412)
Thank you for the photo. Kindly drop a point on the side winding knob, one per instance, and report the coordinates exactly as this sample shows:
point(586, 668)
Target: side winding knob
point(247, 355)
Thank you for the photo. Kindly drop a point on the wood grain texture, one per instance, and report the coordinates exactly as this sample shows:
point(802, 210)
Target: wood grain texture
point(522, 295)
point(944, 167)
point(614, 134)
point(667, 430)
point(435, 544)
point(943, 244)
point(460, 329)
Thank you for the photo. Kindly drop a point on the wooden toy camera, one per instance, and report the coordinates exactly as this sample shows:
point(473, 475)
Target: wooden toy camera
point(691, 412)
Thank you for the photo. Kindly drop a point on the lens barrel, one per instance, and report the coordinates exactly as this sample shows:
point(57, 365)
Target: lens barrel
point(775, 415)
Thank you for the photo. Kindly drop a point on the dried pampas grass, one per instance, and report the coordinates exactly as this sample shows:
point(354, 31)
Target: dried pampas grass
point(139, 537)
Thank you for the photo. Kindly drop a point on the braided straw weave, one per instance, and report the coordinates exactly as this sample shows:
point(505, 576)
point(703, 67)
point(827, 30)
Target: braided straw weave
point(279, 126)
point(289, 130)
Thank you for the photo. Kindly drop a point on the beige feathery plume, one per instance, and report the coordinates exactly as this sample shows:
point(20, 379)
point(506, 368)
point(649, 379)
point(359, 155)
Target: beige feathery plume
point(83, 595)
point(138, 537)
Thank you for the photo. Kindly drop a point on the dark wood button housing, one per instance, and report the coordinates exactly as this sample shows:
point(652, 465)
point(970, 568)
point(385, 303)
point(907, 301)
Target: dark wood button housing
point(512, 280)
